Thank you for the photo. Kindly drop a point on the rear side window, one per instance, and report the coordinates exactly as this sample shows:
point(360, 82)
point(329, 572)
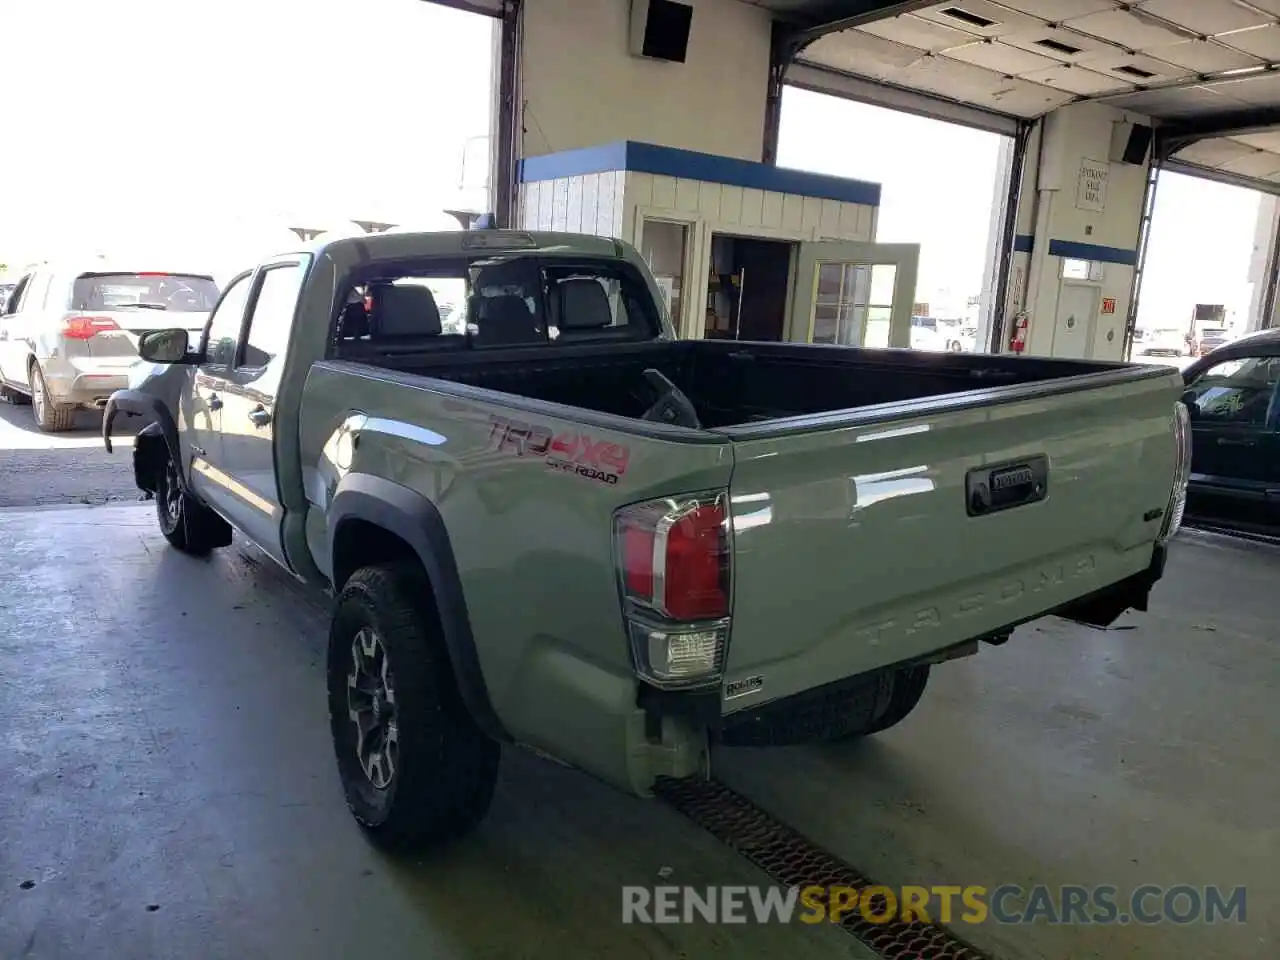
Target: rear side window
point(179, 293)
point(1240, 391)
point(493, 301)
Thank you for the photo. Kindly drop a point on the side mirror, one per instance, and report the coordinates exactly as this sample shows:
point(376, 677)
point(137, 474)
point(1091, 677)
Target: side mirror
point(164, 346)
point(1190, 402)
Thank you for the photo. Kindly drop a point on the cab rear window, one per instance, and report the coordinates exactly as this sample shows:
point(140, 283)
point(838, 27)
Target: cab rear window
point(177, 292)
point(494, 301)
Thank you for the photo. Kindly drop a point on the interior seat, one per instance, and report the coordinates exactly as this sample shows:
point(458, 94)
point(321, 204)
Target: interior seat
point(581, 307)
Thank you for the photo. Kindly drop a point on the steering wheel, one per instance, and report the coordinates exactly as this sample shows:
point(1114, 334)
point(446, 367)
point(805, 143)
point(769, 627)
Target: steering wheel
point(672, 406)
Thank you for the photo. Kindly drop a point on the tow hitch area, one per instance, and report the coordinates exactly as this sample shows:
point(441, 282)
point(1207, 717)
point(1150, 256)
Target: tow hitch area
point(792, 861)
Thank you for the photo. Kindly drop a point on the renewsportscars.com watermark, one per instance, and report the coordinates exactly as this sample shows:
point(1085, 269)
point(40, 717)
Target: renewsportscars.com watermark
point(1007, 904)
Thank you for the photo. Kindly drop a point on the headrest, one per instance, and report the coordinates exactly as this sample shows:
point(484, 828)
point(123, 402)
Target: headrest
point(405, 311)
point(584, 305)
point(507, 319)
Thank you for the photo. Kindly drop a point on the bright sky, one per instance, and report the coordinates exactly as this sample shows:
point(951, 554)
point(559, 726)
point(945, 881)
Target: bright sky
point(938, 182)
point(204, 135)
point(133, 125)
point(1200, 249)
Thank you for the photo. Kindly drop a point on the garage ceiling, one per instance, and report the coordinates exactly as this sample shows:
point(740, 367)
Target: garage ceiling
point(1204, 68)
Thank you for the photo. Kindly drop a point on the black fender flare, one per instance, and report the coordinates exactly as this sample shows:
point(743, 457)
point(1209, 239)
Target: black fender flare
point(413, 518)
point(137, 402)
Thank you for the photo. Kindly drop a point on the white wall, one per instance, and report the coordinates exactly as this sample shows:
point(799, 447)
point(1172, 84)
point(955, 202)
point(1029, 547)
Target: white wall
point(1048, 211)
point(581, 87)
point(591, 203)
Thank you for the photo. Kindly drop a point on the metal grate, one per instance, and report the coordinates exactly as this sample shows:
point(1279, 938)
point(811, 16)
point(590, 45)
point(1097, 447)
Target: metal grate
point(793, 861)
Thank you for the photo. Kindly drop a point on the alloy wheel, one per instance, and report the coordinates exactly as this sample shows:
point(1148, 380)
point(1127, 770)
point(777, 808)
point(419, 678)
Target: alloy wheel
point(371, 708)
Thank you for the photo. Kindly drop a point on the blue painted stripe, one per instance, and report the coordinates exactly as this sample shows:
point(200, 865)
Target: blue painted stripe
point(1092, 251)
point(690, 165)
point(574, 163)
point(1023, 243)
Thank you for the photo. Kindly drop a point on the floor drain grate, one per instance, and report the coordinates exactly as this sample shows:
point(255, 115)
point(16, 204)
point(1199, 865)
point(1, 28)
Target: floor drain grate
point(793, 861)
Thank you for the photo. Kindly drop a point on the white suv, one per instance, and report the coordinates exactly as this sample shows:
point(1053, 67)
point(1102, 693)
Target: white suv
point(69, 336)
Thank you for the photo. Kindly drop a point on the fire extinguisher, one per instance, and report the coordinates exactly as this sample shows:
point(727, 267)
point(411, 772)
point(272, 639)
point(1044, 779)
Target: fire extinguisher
point(1018, 339)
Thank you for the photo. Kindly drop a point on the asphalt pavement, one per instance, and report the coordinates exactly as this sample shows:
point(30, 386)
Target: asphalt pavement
point(42, 469)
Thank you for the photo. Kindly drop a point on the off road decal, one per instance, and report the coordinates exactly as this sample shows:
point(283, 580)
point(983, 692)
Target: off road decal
point(571, 452)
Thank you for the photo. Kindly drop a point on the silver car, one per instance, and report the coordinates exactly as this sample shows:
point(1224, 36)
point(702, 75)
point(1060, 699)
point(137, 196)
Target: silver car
point(69, 336)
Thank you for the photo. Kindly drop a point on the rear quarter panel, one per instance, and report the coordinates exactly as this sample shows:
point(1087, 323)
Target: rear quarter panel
point(531, 534)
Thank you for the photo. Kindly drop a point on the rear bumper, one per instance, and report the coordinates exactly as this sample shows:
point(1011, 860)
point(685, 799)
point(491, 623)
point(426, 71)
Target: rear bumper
point(86, 381)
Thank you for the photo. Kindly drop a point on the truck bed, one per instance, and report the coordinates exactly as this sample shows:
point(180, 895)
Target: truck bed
point(905, 502)
point(733, 384)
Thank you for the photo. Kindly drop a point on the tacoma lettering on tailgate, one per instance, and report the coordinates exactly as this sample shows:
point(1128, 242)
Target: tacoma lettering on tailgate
point(927, 618)
point(571, 452)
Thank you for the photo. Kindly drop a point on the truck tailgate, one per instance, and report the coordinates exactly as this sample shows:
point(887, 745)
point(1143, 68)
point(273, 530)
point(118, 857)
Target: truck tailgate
point(857, 546)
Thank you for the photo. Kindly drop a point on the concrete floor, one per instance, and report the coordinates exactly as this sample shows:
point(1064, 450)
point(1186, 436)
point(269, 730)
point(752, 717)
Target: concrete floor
point(1144, 754)
point(168, 785)
point(72, 467)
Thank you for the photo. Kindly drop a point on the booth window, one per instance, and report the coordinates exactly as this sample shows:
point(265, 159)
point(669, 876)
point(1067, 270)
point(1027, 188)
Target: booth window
point(854, 304)
point(663, 246)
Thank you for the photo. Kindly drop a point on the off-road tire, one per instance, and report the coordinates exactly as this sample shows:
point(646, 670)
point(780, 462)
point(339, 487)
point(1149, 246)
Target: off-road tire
point(445, 767)
point(844, 711)
point(828, 713)
point(908, 686)
point(50, 417)
point(184, 521)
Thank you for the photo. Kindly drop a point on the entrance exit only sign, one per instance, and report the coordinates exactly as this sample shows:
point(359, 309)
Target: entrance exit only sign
point(1091, 188)
point(1109, 305)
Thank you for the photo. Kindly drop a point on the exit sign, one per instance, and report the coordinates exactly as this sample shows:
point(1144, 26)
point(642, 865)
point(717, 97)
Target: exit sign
point(1109, 305)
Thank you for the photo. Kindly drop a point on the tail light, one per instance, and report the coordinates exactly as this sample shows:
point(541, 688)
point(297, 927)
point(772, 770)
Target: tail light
point(1181, 472)
point(84, 328)
point(673, 558)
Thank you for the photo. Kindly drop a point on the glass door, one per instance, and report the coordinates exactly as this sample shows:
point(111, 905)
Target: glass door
point(854, 294)
point(664, 244)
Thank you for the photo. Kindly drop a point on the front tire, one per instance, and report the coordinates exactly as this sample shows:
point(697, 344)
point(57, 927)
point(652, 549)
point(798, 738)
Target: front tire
point(50, 417)
point(186, 523)
point(415, 768)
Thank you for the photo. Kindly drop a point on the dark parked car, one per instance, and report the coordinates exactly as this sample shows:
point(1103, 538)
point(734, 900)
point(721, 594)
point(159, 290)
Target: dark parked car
point(1233, 396)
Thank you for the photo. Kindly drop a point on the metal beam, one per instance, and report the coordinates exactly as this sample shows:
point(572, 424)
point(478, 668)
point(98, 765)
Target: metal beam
point(996, 332)
point(1267, 319)
point(781, 55)
point(507, 120)
point(1139, 269)
point(1173, 135)
point(1220, 176)
point(817, 20)
point(881, 93)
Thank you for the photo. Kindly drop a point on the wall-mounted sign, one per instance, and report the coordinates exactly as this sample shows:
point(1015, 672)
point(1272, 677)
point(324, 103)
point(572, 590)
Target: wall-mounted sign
point(1091, 188)
point(1108, 304)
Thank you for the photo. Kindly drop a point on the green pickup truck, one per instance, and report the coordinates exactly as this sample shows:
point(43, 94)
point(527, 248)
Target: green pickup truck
point(555, 525)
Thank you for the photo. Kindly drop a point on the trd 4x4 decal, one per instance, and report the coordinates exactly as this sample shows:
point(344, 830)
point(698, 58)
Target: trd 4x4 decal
point(571, 451)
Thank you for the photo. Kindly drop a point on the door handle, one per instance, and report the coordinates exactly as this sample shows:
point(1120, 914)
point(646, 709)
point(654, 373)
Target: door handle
point(215, 402)
point(260, 416)
point(1233, 442)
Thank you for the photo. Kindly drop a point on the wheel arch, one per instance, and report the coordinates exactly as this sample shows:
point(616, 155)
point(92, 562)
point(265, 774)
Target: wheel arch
point(374, 520)
point(137, 402)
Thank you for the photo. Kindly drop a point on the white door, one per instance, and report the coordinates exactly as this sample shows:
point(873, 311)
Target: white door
point(1076, 320)
point(854, 294)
